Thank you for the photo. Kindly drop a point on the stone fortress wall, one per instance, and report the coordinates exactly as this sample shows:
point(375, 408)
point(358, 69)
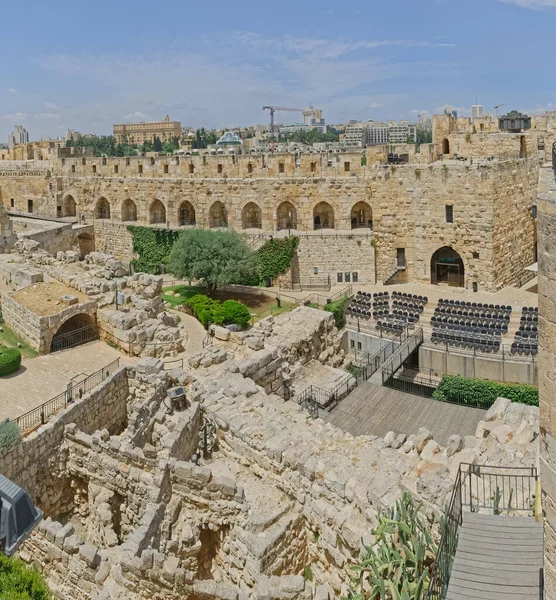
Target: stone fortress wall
point(493, 228)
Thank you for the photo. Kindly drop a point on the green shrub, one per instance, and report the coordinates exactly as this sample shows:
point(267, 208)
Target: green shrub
point(10, 435)
point(10, 360)
point(483, 393)
point(232, 311)
point(398, 563)
point(19, 582)
point(337, 309)
point(203, 308)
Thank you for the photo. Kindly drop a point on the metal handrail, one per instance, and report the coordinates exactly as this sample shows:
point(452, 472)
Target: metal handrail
point(480, 488)
point(41, 414)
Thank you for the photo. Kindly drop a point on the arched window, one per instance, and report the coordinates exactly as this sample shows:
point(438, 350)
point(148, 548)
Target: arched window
point(69, 207)
point(157, 212)
point(129, 210)
point(446, 146)
point(286, 216)
point(251, 216)
point(361, 216)
point(218, 216)
point(323, 216)
point(102, 209)
point(186, 214)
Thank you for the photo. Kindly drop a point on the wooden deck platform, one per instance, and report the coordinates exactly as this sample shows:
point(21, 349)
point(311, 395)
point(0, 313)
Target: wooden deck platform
point(498, 558)
point(372, 409)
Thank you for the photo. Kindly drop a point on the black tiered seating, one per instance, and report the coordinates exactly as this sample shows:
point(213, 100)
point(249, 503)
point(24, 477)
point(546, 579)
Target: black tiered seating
point(470, 325)
point(526, 340)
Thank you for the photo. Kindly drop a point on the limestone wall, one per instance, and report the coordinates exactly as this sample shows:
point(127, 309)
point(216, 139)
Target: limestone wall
point(52, 236)
point(547, 368)
point(328, 255)
point(113, 238)
point(36, 462)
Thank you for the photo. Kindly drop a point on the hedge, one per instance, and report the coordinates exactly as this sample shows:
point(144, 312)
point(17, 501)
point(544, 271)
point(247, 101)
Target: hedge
point(209, 311)
point(10, 361)
point(337, 309)
point(483, 393)
point(20, 582)
point(10, 435)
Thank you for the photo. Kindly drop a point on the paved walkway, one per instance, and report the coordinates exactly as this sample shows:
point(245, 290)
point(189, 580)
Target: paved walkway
point(44, 377)
point(195, 334)
point(372, 409)
point(497, 558)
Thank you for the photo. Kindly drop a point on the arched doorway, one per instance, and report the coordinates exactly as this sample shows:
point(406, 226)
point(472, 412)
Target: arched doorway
point(102, 210)
point(69, 207)
point(129, 210)
point(445, 146)
point(323, 216)
point(251, 216)
point(86, 245)
point(361, 216)
point(286, 216)
point(218, 216)
point(157, 212)
point(447, 268)
point(77, 330)
point(186, 214)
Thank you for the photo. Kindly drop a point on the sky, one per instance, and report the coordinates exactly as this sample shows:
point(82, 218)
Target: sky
point(88, 65)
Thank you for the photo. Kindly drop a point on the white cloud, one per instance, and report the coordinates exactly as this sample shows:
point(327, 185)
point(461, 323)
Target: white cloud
point(12, 90)
point(48, 116)
point(136, 115)
point(50, 105)
point(377, 105)
point(532, 4)
point(19, 116)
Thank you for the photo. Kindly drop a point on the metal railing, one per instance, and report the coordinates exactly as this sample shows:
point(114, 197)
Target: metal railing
point(173, 364)
point(315, 398)
point(41, 414)
point(402, 353)
point(74, 338)
point(207, 340)
point(512, 491)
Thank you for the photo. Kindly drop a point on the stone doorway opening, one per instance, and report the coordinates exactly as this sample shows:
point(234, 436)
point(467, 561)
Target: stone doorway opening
point(79, 329)
point(447, 268)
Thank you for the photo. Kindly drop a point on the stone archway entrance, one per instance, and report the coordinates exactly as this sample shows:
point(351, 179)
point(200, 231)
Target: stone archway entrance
point(447, 268)
point(445, 146)
point(76, 331)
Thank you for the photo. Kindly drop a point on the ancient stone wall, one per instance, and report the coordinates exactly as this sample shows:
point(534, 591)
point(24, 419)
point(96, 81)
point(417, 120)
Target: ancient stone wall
point(547, 368)
point(52, 236)
point(406, 204)
point(37, 465)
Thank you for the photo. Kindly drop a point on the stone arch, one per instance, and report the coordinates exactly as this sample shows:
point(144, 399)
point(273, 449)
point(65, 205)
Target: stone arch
point(78, 329)
point(445, 146)
point(323, 216)
point(69, 206)
point(251, 216)
point(218, 215)
point(129, 210)
point(186, 214)
point(157, 212)
point(102, 209)
point(361, 215)
point(286, 216)
point(447, 268)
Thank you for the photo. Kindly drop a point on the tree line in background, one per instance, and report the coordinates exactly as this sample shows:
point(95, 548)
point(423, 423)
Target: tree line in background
point(311, 136)
point(106, 144)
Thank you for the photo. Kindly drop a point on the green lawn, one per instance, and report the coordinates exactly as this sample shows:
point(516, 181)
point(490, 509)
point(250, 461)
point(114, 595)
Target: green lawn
point(9, 339)
point(184, 291)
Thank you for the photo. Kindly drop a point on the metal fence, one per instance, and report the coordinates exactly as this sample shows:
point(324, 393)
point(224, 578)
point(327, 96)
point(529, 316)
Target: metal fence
point(41, 414)
point(315, 398)
point(74, 338)
point(480, 488)
point(173, 364)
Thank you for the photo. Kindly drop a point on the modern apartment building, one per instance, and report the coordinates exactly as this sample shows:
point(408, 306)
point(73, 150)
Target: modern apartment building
point(355, 135)
point(477, 112)
point(138, 133)
point(377, 133)
point(402, 132)
point(19, 135)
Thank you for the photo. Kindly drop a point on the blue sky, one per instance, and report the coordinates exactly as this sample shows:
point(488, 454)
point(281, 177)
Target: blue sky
point(87, 65)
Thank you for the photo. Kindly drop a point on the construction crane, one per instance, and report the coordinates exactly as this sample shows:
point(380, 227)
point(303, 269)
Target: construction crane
point(272, 110)
point(497, 107)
